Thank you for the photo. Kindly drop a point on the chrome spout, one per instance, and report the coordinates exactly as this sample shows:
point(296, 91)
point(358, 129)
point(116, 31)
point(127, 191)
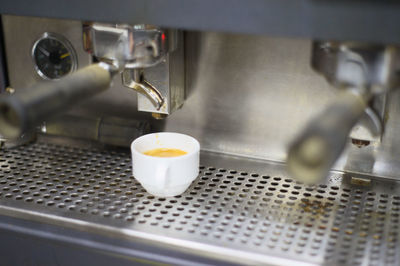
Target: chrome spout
point(133, 78)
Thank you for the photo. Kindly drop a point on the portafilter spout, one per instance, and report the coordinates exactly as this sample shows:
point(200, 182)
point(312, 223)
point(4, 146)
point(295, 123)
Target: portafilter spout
point(26, 108)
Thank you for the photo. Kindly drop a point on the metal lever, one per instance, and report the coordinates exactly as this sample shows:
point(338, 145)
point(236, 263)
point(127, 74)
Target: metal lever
point(315, 151)
point(133, 78)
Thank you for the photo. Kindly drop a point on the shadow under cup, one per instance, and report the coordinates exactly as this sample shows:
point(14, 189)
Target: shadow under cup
point(165, 176)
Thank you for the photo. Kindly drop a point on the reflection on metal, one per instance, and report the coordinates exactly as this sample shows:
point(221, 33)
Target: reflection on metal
point(133, 78)
point(10, 90)
point(316, 149)
point(106, 130)
point(25, 138)
point(136, 48)
point(246, 95)
point(23, 110)
point(358, 65)
point(363, 70)
point(158, 116)
point(238, 210)
point(369, 127)
point(359, 181)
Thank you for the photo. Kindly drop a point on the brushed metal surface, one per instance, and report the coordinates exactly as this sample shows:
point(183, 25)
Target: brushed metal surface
point(169, 79)
point(25, 33)
point(251, 214)
point(245, 95)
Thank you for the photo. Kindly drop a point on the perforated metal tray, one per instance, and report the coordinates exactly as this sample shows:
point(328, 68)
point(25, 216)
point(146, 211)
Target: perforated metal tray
point(252, 213)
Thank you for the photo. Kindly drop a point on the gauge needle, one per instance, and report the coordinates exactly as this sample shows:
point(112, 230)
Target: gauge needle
point(46, 53)
point(64, 55)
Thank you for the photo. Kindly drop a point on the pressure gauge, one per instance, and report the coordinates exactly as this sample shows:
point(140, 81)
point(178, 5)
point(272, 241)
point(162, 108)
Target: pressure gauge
point(53, 56)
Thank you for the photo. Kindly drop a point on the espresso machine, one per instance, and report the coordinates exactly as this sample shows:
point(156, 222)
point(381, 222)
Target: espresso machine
point(294, 104)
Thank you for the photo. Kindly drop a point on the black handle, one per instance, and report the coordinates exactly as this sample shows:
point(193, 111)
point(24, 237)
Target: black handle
point(315, 151)
point(26, 108)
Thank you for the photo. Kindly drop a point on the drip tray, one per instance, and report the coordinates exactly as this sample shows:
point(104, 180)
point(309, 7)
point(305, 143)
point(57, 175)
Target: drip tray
point(238, 210)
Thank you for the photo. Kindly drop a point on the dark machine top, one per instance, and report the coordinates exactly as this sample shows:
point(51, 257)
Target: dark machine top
point(367, 20)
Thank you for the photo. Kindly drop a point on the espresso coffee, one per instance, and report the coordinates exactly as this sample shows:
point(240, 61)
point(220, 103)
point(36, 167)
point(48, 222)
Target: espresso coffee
point(165, 152)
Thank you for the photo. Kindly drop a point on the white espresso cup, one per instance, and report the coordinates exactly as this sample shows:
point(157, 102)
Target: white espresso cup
point(165, 176)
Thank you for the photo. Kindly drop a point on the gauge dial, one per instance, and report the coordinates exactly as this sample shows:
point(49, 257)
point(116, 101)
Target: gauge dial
point(53, 56)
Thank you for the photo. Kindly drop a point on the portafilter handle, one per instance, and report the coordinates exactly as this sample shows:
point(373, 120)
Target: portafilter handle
point(317, 148)
point(26, 108)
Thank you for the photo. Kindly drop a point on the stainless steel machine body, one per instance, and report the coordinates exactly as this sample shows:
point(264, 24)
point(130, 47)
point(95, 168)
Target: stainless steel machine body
point(137, 48)
point(247, 97)
point(119, 49)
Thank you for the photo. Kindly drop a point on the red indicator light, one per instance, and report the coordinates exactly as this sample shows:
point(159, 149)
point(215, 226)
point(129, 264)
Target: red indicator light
point(163, 37)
